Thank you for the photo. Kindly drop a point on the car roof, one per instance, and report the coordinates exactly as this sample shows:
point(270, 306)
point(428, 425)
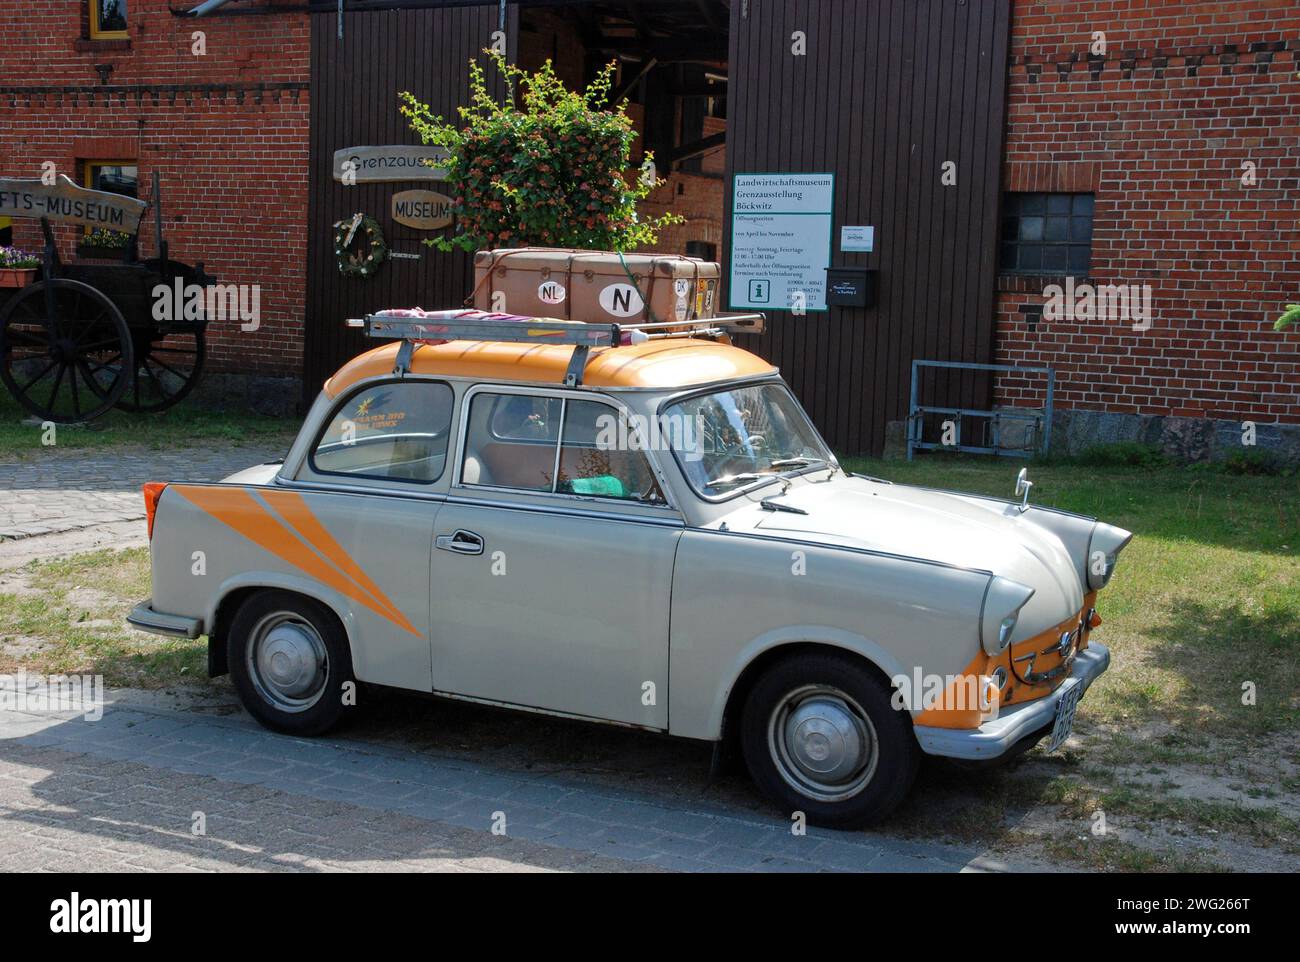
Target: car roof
point(668, 363)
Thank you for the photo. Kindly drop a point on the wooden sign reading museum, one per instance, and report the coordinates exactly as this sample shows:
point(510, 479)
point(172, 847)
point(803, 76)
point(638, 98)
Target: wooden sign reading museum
point(389, 164)
point(71, 203)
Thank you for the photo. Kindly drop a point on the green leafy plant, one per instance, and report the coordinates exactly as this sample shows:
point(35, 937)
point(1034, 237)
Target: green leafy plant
point(552, 171)
point(1290, 316)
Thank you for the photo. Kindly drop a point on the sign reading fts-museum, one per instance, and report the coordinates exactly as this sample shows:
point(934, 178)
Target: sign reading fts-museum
point(68, 202)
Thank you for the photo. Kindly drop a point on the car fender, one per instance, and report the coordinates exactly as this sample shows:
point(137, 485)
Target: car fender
point(789, 635)
point(273, 580)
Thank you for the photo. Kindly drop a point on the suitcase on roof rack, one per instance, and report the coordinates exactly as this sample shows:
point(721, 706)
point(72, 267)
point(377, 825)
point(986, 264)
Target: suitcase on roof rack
point(595, 286)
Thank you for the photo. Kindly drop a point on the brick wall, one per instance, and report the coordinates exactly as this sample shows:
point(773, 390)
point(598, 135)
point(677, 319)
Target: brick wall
point(226, 131)
point(1159, 127)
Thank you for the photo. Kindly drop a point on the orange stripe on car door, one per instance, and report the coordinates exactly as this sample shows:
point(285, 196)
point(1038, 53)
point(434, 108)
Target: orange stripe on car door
point(240, 511)
point(293, 508)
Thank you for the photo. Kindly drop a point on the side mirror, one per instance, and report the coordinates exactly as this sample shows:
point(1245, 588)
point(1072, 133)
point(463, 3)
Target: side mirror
point(1023, 484)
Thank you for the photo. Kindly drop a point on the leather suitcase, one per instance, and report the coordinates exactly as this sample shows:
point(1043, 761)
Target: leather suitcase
point(595, 286)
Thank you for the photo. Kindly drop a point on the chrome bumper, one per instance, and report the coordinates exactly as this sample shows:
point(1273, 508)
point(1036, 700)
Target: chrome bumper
point(143, 616)
point(999, 735)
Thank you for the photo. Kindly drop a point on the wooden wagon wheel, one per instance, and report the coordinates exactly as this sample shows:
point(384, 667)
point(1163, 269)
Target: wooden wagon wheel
point(168, 357)
point(65, 350)
point(167, 366)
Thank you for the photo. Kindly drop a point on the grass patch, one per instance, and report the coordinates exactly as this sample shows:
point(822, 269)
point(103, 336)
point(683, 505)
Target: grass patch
point(70, 618)
point(188, 424)
point(1206, 599)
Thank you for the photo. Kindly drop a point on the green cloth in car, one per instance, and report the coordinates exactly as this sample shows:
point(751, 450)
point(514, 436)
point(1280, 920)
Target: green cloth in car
point(602, 485)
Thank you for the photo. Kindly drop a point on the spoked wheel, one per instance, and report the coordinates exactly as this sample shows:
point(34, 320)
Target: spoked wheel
point(65, 351)
point(167, 366)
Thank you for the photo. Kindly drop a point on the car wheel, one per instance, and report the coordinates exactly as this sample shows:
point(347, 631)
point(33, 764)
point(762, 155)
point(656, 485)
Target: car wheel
point(289, 660)
point(820, 736)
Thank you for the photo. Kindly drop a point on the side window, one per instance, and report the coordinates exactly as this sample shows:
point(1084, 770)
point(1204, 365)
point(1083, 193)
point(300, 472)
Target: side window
point(396, 431)
point(512, 441)
point(597, 459)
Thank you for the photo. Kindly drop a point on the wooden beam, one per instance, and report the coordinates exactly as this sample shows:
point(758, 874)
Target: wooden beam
point(626, 87)
point(697, 147)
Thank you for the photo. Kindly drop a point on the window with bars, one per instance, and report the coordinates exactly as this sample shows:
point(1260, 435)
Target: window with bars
point(1046, 233)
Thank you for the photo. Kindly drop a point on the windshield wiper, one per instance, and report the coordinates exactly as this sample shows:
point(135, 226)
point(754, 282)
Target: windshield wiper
point(797, 462)
point(767, 504)
point(729, 480)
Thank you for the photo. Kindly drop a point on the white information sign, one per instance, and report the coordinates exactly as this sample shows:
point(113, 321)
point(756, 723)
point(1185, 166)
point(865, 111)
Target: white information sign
point(781, 240)
point(857, 238)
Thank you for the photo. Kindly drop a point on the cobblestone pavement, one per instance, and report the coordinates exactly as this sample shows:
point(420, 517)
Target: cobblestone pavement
point(58, 491)
point(121, 793)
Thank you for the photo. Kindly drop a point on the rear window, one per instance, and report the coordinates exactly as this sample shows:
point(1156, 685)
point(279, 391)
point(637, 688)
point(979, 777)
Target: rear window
point(393, 432)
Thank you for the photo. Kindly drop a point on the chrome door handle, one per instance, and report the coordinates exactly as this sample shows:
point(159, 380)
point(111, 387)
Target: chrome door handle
point(461, 542)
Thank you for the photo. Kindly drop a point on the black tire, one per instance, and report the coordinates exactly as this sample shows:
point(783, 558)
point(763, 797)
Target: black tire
point(811, 682)
point(295, 618)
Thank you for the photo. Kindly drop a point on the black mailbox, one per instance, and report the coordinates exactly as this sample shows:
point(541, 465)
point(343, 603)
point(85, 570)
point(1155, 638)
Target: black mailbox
point(851, 287)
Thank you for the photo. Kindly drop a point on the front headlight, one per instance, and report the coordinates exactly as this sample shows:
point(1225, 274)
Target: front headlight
point(1003, 600)
point(1103, 551)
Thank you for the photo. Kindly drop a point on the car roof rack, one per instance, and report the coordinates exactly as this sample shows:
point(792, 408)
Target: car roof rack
point(414, 327)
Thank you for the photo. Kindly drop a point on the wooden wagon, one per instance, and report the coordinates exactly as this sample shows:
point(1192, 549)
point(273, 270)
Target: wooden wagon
point(86, 336)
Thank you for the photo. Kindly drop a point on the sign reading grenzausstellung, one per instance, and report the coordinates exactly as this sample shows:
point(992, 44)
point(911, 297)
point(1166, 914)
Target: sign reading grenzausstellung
point(69, 202)
point(781, 240)
point(389, 164)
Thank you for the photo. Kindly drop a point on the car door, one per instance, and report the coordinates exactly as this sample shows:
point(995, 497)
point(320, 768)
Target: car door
point(552, 564)
point(363, 515)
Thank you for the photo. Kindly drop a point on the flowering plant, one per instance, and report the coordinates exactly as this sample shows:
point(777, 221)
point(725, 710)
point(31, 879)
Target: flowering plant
point(551, 172)
point(102, 237)
point(11, 258)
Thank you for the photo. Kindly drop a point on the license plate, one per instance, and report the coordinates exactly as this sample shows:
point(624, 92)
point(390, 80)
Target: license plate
point(1065, 713)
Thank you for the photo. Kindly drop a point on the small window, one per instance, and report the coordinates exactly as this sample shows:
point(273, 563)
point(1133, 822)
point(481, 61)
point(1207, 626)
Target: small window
point(115, 177)
point(394, 432)
point(511, 441)
point(108, 19)
point(517, 441)
point(1046, 234)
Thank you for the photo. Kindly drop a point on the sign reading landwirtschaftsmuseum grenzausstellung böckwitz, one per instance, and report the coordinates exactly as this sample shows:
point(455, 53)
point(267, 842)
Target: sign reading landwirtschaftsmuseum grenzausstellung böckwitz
point(780, 240)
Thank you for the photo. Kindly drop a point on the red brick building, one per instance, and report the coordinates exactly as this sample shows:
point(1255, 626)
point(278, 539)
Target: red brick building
point(226, 129)
point(1144, 143)
point(1187, 132)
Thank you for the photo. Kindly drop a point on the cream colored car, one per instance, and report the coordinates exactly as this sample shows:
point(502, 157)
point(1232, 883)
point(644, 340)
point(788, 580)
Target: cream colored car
point(652, 535)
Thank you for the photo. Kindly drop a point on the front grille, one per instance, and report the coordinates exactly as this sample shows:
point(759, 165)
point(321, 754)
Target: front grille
point(1048, 656)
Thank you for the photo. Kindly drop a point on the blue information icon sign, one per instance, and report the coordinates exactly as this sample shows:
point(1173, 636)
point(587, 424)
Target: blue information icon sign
point(760, 292)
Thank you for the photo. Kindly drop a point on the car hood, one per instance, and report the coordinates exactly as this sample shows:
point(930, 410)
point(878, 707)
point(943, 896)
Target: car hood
point(920, 523)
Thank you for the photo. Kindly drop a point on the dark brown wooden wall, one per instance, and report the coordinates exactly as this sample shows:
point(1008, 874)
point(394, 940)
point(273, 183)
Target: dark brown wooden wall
point(355, 83)
point(888, 91)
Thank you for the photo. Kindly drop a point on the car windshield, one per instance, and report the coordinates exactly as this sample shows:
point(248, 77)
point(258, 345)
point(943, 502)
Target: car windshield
point(733, 438)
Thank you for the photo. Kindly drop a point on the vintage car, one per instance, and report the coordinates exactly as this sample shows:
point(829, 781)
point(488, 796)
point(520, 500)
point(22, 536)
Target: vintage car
point(636, 526)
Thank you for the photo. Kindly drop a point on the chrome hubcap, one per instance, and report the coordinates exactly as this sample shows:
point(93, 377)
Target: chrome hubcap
point(823, 743)
point(287, 662)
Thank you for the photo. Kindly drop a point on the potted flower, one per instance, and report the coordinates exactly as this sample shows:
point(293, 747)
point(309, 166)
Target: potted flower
point(104, 244)
point(17, 267)
point(552, 169)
